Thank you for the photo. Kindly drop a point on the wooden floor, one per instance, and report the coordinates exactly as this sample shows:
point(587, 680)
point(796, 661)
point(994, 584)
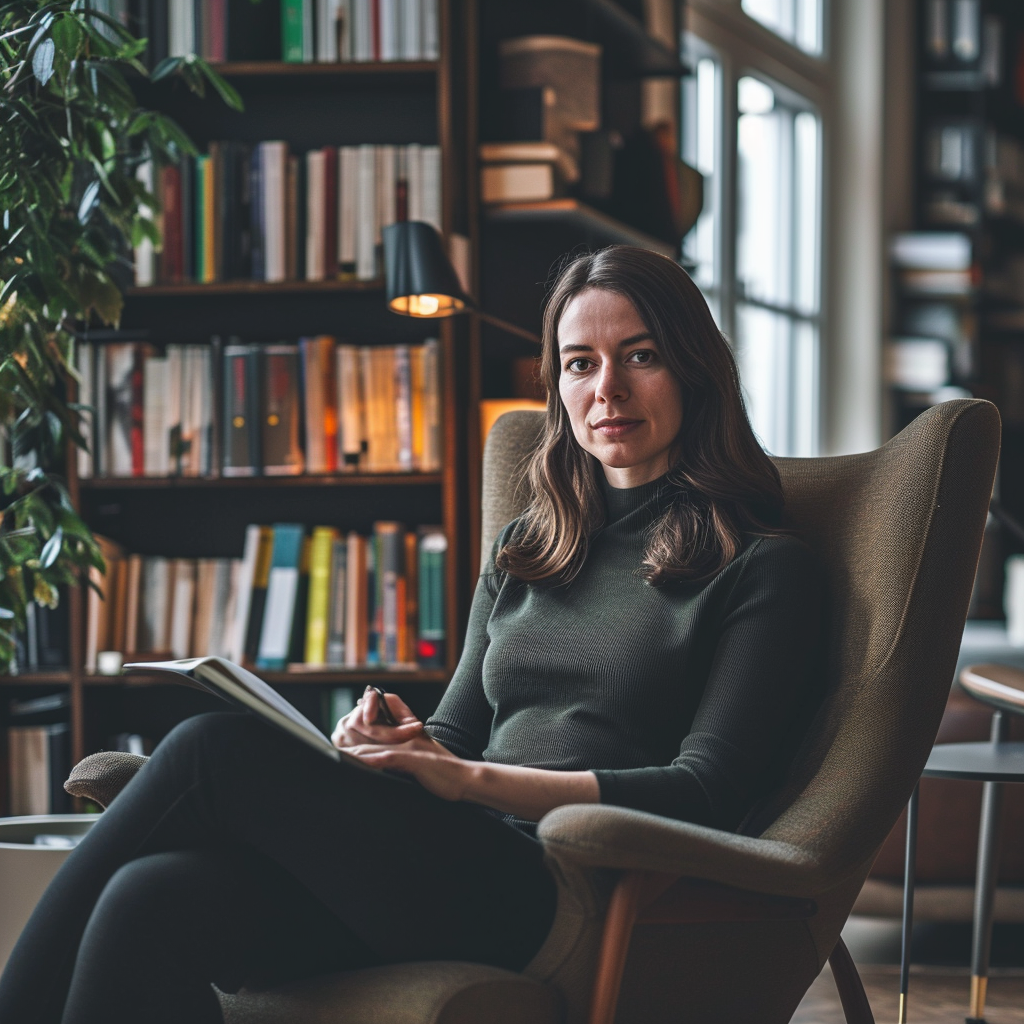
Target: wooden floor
point(940, 981)
point(938, 995)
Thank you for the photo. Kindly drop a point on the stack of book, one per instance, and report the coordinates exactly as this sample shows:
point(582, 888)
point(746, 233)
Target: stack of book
point(315, 406)
point(358, 30)
point(260, 213)
point(934, 263)
point(39, 754)
point(289, 30)
point(329, 599)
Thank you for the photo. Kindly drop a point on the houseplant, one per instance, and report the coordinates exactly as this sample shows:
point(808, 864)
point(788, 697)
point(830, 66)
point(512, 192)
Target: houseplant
point(72, 135)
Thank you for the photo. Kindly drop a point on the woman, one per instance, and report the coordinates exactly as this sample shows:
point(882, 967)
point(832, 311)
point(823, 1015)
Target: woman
point(643, 635)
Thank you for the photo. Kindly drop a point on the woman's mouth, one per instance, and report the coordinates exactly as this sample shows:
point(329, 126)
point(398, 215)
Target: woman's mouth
point(614, 428)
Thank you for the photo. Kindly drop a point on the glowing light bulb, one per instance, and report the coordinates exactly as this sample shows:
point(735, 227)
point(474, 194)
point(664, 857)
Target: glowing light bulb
point(425, 305)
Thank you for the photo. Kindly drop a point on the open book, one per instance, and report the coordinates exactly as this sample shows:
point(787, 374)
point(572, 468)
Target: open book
point(238, 685)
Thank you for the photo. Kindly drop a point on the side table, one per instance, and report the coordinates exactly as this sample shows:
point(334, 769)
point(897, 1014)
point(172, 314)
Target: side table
point(994, 763)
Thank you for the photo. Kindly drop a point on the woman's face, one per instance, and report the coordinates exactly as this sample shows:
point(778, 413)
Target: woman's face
point(624, 404)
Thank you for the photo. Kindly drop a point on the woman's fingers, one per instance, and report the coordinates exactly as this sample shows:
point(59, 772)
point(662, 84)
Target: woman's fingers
point(362, 725)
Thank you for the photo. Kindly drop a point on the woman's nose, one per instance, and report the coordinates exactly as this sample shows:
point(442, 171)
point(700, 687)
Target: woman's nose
point(610, 384)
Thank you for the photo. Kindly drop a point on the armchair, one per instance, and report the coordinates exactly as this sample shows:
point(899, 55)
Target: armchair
point(659, 920)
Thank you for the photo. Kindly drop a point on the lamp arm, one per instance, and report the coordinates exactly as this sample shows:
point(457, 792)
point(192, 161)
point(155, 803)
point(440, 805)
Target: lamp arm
point(504, 325)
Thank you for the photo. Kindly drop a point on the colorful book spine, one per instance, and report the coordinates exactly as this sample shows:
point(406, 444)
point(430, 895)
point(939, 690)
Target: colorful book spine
point(258, 596)
point(291, 31)
point(433, 549)
point(282, 592)
point(317, 618)
point(241, 456)
point(281, 449)
point(337, 613)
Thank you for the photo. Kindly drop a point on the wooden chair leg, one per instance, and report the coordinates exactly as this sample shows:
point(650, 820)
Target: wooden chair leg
point(851, 989)
point(618, 928)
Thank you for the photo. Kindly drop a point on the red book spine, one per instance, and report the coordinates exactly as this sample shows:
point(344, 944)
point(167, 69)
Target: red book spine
point(330, 212)
point(135, 431)
point(375, 27)
point(217, 40)
point(172, 259)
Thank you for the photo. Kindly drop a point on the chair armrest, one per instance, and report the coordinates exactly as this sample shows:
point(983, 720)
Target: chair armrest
point(604, 836)
point(100, 777)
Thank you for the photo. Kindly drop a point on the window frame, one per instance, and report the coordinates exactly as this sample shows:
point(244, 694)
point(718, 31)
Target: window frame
point(742, 46)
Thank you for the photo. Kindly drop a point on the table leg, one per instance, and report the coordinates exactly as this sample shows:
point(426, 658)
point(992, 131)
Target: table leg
point(985, 885)
point(908, 903)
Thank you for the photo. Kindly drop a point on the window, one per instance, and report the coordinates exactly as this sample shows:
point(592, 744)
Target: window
point(755, 251)
point(777, 254)
point(701, 127)
point(797, 21)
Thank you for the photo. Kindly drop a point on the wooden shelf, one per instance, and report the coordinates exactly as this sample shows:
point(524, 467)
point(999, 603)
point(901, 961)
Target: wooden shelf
point(579, 217)
point(132, 483)
point(629, 50)
point(254, 288)
point(325, 677)
point(381, 69)
point(56, 678)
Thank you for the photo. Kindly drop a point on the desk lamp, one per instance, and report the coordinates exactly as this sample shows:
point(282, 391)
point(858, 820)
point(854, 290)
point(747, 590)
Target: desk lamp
point(420, 280)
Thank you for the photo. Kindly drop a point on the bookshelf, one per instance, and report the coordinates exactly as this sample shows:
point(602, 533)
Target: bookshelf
point(308, 105)
point(448, 102)
point(520, 242)
point(595, 227)
point(957, 324)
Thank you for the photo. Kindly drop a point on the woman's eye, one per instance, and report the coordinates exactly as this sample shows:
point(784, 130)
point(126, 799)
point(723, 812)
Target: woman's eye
point(577, 365)
point(642, 356)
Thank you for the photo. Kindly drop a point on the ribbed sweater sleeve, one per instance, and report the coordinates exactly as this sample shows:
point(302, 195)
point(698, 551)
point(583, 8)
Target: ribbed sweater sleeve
point(756, 688)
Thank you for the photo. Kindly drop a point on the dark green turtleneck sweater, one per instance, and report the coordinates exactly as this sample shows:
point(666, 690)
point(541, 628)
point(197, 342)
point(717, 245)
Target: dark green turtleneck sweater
point(684, 698)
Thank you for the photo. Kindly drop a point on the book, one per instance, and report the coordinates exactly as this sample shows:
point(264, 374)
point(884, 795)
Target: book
point(282, 592)
point(336, 612)
point(292, 31)
point(239, 686)
point(531, 152)
point(279, 440)
point(433, 549)
point(318, 607)
point(258, 591)
point(241, 442)
point(518, 183)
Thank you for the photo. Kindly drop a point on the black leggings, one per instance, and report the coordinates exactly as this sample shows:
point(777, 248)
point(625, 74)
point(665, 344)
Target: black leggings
point(241, 856)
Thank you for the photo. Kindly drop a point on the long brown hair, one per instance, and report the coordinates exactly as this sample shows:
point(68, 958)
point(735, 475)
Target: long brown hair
point(722, 484)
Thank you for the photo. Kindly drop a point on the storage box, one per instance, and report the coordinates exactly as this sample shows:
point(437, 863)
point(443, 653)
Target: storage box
point(571, 67)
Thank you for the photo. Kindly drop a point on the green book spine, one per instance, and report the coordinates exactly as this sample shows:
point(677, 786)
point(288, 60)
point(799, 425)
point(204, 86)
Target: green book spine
point(291, 31)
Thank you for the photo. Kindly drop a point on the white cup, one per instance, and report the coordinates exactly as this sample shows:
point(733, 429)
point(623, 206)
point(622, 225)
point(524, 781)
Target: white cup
point(108, 663)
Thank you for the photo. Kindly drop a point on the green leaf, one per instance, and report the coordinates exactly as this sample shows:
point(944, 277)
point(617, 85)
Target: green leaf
point(89, 198)
point(51, 549)
point(67, 34)
point(227, 92)
point(42, 61)
point(167, 67)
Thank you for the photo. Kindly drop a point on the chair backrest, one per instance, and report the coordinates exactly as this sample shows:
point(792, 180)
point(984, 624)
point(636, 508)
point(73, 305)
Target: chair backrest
point(898, 532)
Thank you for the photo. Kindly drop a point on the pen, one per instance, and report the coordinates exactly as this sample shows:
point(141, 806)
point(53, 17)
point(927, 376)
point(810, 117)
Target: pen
point(384, 716)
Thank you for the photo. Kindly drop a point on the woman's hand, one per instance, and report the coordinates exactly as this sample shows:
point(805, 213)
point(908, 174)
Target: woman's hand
point(435, 768)
point(359, 725)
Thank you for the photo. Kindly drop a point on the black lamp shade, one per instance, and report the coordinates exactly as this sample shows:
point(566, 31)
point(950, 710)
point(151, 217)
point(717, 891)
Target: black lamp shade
point(419, 278)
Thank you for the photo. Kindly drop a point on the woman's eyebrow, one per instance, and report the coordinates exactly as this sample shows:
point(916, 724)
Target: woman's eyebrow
point(632, 340)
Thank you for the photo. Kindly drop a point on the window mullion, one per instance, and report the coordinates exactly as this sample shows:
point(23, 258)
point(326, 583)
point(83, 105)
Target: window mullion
point(729, 194)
